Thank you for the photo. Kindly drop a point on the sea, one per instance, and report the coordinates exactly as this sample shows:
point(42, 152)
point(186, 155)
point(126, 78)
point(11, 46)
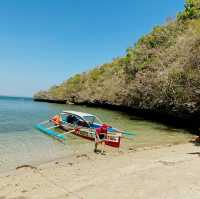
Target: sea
point(21, 143)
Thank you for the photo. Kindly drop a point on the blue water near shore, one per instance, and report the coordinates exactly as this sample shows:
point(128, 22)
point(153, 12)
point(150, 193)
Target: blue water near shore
point(21, 143)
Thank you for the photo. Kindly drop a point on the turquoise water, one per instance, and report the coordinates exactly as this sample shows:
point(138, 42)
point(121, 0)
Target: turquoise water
point(21, 144)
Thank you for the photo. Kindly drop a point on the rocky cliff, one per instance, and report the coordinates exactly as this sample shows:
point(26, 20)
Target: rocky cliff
point(160, 74)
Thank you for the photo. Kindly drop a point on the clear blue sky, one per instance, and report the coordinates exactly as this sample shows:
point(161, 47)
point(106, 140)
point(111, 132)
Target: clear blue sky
point(43, 42)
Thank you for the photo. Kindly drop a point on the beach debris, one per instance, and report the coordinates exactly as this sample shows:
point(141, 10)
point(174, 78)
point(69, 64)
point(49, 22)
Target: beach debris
point(70, 163)
point(26, 166)
point(167, 163)
point(24, 191)
point(195, 153)
point(131, 149)
point(82, 156)
point(197, 140)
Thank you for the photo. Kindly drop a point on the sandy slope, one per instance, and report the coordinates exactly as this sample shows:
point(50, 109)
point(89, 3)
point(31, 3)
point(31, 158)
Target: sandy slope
point(170, 172)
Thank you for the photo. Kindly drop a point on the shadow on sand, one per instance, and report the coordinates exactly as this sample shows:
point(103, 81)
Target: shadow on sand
point(195, 153)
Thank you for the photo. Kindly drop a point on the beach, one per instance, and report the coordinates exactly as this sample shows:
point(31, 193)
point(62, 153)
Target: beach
point(158, 162)
point(159, 172)
point(96, 104)
point(21, 143)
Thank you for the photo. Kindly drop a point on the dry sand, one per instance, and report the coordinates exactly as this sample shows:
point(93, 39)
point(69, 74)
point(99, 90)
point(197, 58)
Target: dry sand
point(162, 173)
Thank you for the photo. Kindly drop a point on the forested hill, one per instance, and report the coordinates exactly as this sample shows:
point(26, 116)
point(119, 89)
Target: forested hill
point(160, 73)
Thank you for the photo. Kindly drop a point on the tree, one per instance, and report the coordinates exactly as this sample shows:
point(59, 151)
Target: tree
point(192, 10)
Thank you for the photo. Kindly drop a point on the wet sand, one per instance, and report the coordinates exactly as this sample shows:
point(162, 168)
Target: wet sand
point(166, 172)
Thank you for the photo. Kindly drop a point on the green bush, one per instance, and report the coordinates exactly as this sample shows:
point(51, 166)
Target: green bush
point(192, 10)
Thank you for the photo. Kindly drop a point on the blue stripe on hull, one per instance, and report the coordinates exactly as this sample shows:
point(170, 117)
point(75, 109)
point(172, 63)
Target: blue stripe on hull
point(50, 132)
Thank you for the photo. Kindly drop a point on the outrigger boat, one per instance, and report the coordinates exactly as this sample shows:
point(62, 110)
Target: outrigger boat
point(80, 124)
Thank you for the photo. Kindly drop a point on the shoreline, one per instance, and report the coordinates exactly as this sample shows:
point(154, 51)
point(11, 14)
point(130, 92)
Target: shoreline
point(87, 149)
point(187, 121)
point(133, 174)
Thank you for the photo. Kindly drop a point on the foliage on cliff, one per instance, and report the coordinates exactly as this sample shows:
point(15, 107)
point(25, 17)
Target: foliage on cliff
point(161, 72)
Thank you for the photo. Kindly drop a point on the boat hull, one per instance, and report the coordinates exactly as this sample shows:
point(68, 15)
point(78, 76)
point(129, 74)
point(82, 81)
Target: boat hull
point(113, 141)
point(91, 136)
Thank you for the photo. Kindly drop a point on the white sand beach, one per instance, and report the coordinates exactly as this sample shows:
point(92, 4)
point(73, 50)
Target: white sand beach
point(160, 173)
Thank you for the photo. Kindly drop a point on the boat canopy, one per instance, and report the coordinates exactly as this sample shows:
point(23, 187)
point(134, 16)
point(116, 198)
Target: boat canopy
point(80, 114)
point(89, 118)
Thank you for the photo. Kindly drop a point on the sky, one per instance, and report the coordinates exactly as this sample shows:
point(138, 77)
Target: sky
point(44, 42)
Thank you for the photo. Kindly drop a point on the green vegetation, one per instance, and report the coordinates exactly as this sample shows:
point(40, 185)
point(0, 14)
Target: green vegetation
point(192, 8)
point(161, 72)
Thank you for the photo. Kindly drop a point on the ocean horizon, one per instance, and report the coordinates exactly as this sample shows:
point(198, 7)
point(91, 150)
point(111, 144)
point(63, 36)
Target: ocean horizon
point(13, 96)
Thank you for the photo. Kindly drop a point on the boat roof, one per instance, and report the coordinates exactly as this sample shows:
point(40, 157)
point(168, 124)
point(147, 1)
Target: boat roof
point(80, 114)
